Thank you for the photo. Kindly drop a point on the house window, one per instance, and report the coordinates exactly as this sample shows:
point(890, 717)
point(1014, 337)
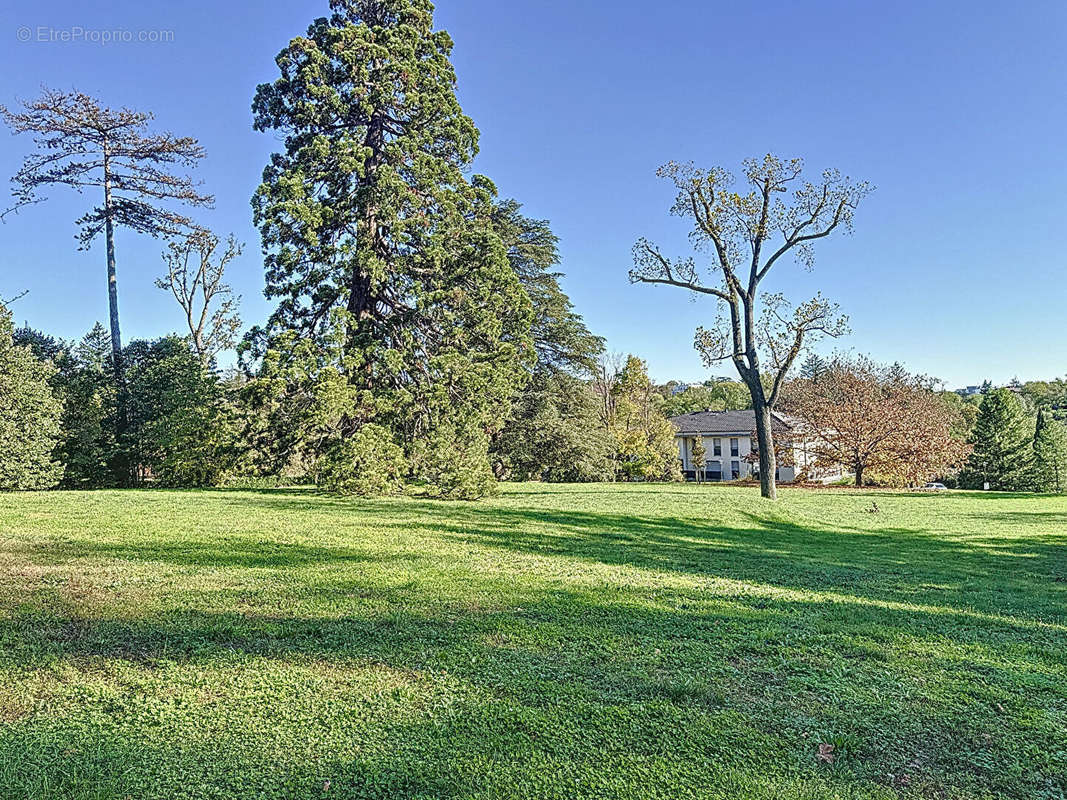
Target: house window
point(716, 447)
point(735, 469)
point(714, 469)
point(733, 447)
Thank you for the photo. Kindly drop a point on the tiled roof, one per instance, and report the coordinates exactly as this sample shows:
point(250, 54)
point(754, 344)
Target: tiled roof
point(742, 422)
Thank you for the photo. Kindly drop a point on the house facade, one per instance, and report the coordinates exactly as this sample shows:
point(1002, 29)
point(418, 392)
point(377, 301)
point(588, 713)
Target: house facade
point(730, 447)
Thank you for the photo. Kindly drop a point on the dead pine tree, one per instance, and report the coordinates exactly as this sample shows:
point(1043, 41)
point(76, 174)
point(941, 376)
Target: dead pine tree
point(87, 146)
point(747, 231)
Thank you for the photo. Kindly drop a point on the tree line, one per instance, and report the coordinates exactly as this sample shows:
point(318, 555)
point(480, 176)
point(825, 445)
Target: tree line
point(420, 334)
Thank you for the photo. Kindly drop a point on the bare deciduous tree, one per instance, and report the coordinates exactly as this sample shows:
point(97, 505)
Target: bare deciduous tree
point(84, 145)
point(747, 234)
point(195, 272)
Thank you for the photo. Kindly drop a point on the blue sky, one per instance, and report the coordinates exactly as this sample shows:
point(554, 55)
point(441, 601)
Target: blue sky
point(954, 110)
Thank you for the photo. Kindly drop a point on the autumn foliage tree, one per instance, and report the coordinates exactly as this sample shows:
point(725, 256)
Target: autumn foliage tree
point(775, 214)
point(876, 420)
point(632, 417)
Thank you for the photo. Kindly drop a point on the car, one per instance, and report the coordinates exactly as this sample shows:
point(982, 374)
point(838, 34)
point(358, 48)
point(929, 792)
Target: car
point(935, 487)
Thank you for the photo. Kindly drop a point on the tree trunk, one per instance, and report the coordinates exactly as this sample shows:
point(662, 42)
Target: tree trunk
point(765, 440)
point(112, 283)
point(859, 476)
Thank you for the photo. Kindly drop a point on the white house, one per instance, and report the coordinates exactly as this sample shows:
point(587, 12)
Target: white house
point(729, 444)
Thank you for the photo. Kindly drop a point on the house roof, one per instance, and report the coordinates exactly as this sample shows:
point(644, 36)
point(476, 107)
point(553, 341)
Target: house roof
point(741, 422)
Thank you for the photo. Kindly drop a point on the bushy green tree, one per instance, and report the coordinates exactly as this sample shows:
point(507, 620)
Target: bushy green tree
point(180, 428)
point(368, 463)
point(700, 453)
point(554, 433)
point(1050, 455)
point(1001, 436)
point(716, 396)
point(85, 381)
point(643, 437)
point(376, 240)
point(29, 415)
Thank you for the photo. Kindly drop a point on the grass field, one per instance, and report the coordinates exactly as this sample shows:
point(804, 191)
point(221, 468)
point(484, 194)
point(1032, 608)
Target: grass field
point(557, 642)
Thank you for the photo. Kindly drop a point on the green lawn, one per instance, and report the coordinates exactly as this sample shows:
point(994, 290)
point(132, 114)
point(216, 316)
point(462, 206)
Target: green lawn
point(559, 641)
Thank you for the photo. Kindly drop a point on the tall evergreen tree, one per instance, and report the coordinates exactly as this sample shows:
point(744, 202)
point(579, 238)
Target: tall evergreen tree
point(84, 145)
point(375, 238)
point(1050, 454)
point(1001, 436)
point(552, 432)
point(561, 339)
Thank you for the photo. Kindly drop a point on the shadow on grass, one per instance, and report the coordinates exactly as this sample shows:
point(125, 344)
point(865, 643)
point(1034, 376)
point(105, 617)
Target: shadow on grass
point(910, 642)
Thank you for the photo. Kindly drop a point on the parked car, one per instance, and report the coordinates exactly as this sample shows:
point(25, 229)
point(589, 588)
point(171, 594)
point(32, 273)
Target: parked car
point(935, 487)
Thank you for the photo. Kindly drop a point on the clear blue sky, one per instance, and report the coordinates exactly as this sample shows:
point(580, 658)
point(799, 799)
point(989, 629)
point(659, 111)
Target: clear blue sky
point(954, 110)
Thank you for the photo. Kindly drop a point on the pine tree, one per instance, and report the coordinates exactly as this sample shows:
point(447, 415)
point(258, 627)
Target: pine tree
point(87, 146)
point(29, 415)
point(375, 238)
point(1050, 455)
point(1002, 438)
point(814, 366)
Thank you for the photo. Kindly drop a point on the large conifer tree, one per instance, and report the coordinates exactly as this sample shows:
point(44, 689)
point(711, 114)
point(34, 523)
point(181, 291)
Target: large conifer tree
point(378, 244)
point(553, 431)
point(1002, 438)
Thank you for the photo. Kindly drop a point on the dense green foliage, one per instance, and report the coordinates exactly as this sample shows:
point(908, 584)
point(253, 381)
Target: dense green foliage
point(29, 415)
point(179, 425)
point(714, 396)
point(642, 436)
point(612, 641)
point(368, 463)
point(85, 382)
point(378, 248)
point(553, 432)
point(1049, 472)
point(1049, 395)
point(180, 430)
point(1002, 438)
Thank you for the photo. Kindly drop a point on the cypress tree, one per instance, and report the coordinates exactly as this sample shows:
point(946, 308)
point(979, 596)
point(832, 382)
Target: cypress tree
point(379, 247)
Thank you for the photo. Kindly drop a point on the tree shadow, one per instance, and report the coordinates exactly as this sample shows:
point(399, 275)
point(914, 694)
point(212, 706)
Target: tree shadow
point(748, 640)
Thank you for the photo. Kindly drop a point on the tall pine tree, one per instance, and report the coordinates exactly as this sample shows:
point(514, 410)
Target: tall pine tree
point(377, 243)
point(1001, 437)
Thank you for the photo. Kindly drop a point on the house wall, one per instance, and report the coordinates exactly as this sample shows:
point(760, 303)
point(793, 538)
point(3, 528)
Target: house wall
point(744, 449)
